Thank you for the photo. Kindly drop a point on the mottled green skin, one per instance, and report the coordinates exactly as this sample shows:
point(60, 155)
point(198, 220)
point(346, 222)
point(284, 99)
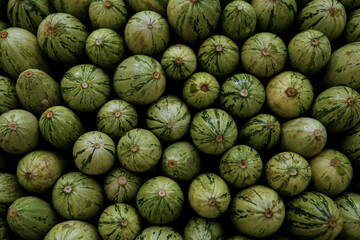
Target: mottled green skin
point(181, 161)
point(179, 62)
point(350, 207)
point(31, 217)
point(328, 177)
point(60, 127)
point(4, 229)
point(193, 21)
point(209, 195)
point(105, 48)
point(158, 6)
point(8, 97)
point(3, 25)
point(261, 132)
point(343, 67)
point(318, 16)
point(201, 90)
point(139, 150)
point(281, 98)
point(109, 121)
point(73, 229)
point(159, 233)
point(62, 38)
point(19, 132)
point(309, 51)
point(250, 207)
point(254, 57)
point(37, 91)
point(160, 200)
point(78, 9)
point(10, 190)
point(203, 228)
point(350, 143)
point(219, 56)
point(238, 237)
point(350, 4)
point(288, 173)
point(94, 153)
point(237, 24)
point(352, 28)
point(20, 51)
point(77, 196)
point(242, 95)
point(38, 170)
point(121, 185)
point(28, 14)
point(168, 118)
point(333, 109)
point(135, 80)
point(113, 17)
point(241, 166)
point(213, 131)
point(147, 33)
point(119, 221)
point(308, 216)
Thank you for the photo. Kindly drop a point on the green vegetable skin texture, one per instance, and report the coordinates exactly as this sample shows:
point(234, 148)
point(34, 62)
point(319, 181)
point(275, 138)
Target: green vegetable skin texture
point(78, 9)
point(313, 215)
point(158, 6)
point(73, 229)
point(10, 190)
point(352, 28)
point(8, 97)
point(4, 228)
point(159, 233)
point(350, 206)
point(257, 211)
point(160, 200)
point(203, 228)
point(350, 144)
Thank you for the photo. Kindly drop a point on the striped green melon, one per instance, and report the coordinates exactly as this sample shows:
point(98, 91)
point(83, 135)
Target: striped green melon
point(338, 108)
point(60, 127)
point(78, 8)
point(242, 95)
point(3, 25)
point(85, 88)
point(288, 173)
point(289, 94)
point(332, 172)
point(119, 221)
point(309, 51)
point(121, 185)
point(193, 21)
point(350, 143)
point(19, 51)
point(213, 131)
point(343, 67)
point(31, 217)
point(313, 215)
point(257, 211)
point(209, 195)
point(263, 55)
point(201, 90)
point(350, 207)
point(179, 62)
point(37, 91)
point(19, 131)
point(168, 118)
point(4, 229)
point(77, 196)
point(352, 28)
point(139, 79)
point(181, 161)
point(62, 38)
point(219, 56)
point(305, 136)
point(94, 153)
point(160, 200)
point(105, 48)
point(158, 6)
point(159, 233)
point(261, 132)
point(111, 14)
point(8, 97)
point(147, 32)
point(350, 4)
point(139, 150)
point(116, 117)
point(28, 14)
point(38, 170)
point(203, 228)
point(10, 190)
point(74, 230)
point(238, 20)
point(326, 16)
point(274, 16)
point(241, 166)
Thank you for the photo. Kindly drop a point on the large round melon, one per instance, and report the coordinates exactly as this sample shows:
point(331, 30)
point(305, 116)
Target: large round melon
point(350, 144)
point(159, 233)
point(158, 6)
point(350, 207)
point(352, 28)
point(78, 8)
point(203, 228)
point(10, 191)
point(8, 97)
point(74, 230)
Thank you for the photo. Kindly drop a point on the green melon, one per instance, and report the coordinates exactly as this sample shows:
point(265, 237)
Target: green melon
point(10, 190)
point(350, 4)
point(159, 233)
point(350, 144)
point(78, 9)
point(352, 28)
point(4, 229)
point(240, 237)
point(74, 230)
point(203, 228)
point(8, 97)
point(158, 6)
